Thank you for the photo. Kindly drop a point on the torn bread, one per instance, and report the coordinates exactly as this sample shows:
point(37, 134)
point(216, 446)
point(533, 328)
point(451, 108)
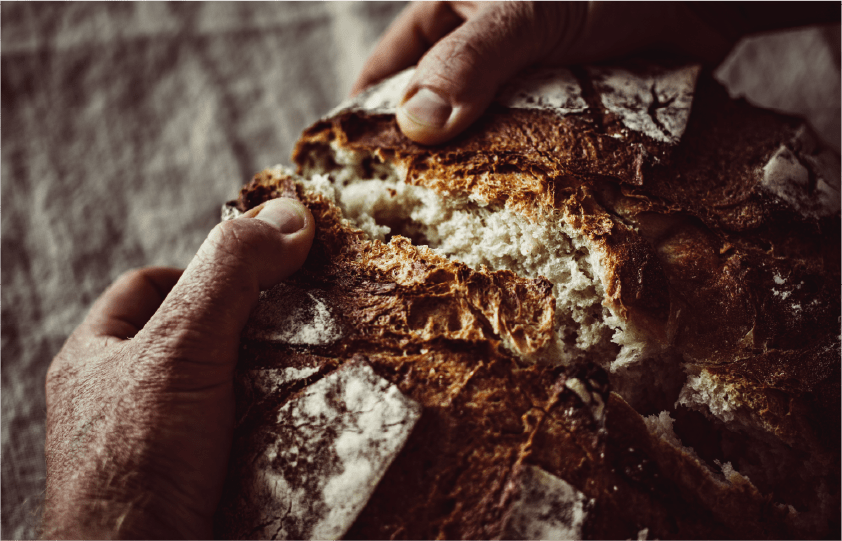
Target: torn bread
point(504, 282)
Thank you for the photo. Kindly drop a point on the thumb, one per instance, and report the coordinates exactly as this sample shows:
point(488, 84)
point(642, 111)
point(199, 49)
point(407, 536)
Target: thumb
point(201, 319)
point(457, 79)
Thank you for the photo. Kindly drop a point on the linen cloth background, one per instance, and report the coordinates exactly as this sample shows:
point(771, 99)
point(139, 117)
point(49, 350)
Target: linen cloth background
point(126, 126)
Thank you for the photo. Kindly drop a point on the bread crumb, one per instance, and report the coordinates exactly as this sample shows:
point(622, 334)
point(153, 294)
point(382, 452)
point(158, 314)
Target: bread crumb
point(731, 475)
point(478, 234)
point(782, 294)
point(661, 425)
point(704, 392)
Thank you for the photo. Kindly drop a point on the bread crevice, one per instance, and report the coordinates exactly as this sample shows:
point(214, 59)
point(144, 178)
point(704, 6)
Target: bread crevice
point(482, 234)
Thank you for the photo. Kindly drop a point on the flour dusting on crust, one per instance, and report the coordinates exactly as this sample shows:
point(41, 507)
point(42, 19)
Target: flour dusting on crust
point(546, 507)
point(382, 98)
point(656, 103)
point(807, 179)
point(329, 448)
point(271, 380)
point(553, 88)
point(292, 316)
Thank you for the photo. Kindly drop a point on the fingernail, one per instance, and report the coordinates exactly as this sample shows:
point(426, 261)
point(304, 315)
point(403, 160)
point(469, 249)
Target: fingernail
point(288, 215)
point(427, 108)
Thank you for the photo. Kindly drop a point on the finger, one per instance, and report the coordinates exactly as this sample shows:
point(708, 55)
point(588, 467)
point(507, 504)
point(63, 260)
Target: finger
point(202, 318)
point(417, 29)
point(127, 305)
point(459, 77)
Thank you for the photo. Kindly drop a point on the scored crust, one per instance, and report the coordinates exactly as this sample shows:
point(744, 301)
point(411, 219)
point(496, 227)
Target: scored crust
point(487, 416)
point(721, 291)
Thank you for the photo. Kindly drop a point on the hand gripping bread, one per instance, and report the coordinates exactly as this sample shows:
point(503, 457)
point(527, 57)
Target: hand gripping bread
point(578, 320)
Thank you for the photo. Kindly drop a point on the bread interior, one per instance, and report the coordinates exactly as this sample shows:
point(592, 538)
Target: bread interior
point(478, 234)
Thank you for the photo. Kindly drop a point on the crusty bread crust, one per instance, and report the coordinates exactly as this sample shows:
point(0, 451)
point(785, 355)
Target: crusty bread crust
point(496, 162)
point(738, 285)
point(486, 415)
point(694, 246)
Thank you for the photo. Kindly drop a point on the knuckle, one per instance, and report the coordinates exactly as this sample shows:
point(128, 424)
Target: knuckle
point(132, 274)
point(452, 66)
point(513, 27)
point(495, 36)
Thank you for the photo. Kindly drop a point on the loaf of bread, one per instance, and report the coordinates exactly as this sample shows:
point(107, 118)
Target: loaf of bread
point(593, 315)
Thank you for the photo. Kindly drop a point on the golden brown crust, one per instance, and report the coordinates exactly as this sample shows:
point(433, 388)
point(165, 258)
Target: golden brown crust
point(401, 296)
point(504, 161)
point(485, 414)
point(521, 156)
point(691, 241)
point(742, 286)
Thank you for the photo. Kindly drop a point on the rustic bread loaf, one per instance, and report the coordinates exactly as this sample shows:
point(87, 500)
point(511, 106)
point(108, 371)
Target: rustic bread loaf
point(576, 328)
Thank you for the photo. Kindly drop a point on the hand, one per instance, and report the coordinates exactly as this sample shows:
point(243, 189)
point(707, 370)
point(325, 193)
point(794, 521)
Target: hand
point(140, 404)
point(467, 50)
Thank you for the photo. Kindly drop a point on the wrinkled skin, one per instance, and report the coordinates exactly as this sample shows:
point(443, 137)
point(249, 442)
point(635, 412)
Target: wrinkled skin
point(466, 51)
point(140, 404)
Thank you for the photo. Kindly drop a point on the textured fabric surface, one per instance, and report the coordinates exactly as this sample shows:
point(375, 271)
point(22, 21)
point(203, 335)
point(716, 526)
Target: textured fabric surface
point(795, 71)
point(126, 126)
